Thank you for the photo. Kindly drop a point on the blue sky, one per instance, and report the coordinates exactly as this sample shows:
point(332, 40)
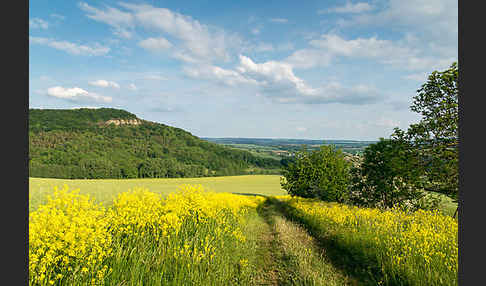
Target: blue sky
point(263, 69)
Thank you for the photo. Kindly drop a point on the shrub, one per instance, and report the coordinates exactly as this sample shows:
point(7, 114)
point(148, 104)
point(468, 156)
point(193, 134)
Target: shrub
point(323, 174)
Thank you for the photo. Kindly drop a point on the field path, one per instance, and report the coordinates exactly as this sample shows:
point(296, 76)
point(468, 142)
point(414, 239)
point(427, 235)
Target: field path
point(289, 255)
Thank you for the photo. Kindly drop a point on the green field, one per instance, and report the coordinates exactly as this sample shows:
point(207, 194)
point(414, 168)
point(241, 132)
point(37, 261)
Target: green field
point(103, 190)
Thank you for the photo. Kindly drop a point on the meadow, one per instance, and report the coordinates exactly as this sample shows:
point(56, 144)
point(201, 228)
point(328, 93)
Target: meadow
point(103, 190)
point(239, 230)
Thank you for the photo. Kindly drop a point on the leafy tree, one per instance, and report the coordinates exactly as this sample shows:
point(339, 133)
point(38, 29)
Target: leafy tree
point(388, 176)
point(436, 136)
point(322, 174)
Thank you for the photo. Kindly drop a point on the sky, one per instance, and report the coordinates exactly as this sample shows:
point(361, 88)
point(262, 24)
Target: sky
point(259, 69)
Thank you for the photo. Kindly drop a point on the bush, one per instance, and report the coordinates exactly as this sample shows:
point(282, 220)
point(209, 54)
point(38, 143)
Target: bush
point(323, 174)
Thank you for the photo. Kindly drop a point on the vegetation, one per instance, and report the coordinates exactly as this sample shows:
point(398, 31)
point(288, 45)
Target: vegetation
point(436, 136)
point(75, 144)
point(200, 237)
point(284, 148)
point(388, 177)
point(383, 247)
point(401, 171)
point(191, 237)
point(103, 190)
point(323, 174)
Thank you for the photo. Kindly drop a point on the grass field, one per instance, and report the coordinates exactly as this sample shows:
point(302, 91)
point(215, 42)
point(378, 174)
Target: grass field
point(156, 235)
point(104, 190)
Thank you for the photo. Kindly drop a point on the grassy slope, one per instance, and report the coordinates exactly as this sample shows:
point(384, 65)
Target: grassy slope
point(103, 190)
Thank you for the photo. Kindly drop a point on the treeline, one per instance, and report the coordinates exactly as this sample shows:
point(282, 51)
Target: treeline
point(77, 144)
point(397, 172)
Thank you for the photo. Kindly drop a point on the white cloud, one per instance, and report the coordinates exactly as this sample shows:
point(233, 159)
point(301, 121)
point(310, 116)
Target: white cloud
point(278, 20)
point(132, 86)
point(360, 47)
point(76, 94)
point(386, 122)
point(255, 31)
point(121, 22)
point(57, 16)
point(71, 48)
point(105, 83)
point(196, 42)
point(421, 77)
point(263, 47)
point(400, 54)
point(301, 129)
point(309, 58)
point(154, 77)
point(433, 20)
point(277, 81)
point(214, 73)
point(36, 23)
point(155, 44)
point(349, 8)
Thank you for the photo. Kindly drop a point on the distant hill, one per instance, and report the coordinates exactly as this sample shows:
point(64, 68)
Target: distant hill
point(272, 146)
point(114, 143)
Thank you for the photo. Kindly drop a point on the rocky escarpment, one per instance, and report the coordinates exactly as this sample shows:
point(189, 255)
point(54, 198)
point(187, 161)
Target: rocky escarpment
point(119, 122)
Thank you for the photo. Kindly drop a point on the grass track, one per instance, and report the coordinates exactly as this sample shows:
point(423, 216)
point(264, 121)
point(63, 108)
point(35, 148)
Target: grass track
point(290, 256)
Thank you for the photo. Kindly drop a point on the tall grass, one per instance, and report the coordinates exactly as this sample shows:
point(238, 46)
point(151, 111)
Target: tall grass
point(384, 247)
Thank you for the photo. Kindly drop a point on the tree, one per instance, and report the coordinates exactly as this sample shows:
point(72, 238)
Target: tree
point(436, 136)
point(322, 174)
point(388, 176)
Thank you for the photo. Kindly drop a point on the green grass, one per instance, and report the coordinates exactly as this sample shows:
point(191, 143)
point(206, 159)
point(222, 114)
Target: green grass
point(294, 257)
point(103, 190)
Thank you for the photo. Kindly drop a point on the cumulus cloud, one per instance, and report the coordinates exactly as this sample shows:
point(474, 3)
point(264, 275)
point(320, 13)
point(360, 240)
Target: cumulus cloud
point(276, 80)
point(309, 58)
point(399, 54)
point(105, 83)
point(36, 23)
point(76, 94)
point(349, 8)
point(71, 48)
point(155, 44)
point(215, 73)
point(195, 42)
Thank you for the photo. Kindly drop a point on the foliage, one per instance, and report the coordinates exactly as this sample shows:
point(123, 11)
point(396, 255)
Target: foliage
point(192, 237)
point(393, 247)
point(436, 136)
point(388, 177)
point(73, 144)
point(322, 174)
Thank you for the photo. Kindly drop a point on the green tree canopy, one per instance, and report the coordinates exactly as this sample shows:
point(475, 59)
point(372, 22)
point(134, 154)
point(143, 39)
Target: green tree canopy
point(436, 136)
point(322, 174)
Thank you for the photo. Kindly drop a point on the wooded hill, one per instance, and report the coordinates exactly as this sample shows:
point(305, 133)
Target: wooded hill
point(113, 143)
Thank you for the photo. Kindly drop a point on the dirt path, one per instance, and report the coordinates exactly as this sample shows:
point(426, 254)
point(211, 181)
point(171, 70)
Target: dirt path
point(289, 255)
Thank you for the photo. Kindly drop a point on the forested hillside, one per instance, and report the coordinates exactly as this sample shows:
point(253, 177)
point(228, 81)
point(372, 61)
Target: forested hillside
point(80, 143)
